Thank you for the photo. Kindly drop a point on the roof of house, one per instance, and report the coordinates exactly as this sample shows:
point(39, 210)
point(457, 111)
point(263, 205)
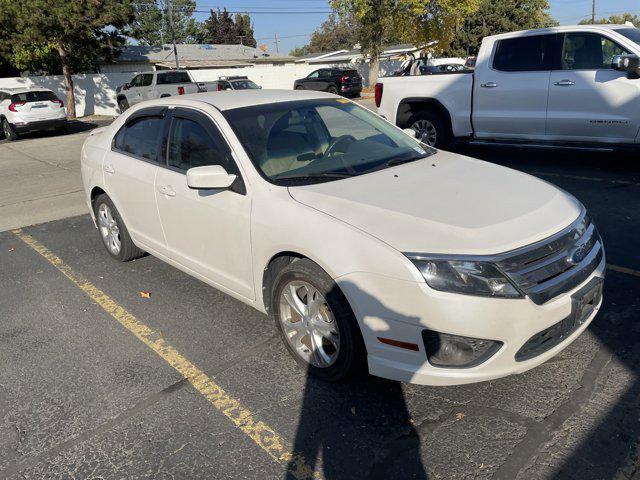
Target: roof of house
point(193, 52)
point(355, 54)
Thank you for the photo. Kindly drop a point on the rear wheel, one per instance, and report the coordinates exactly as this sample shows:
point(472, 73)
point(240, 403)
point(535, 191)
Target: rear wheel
point(123, 104)
point(299, 87)
point(333, 90)
point(7, 129)
point(430, 128)
point(316, 322)
point(113, 231)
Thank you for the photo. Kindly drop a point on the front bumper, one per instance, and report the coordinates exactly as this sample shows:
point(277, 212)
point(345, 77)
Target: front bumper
point(402, 310)
point(39, 125)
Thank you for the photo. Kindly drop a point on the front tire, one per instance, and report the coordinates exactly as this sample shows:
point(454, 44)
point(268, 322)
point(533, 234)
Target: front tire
point(9, 132)
point(316, 322)
point(430, 129)
point(113, 231)
point(299, 87)
point(123, 104)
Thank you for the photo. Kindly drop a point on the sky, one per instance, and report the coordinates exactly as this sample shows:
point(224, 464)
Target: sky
point(293, 21)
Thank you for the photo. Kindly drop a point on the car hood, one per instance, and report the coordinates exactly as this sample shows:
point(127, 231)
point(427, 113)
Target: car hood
point(446, 203)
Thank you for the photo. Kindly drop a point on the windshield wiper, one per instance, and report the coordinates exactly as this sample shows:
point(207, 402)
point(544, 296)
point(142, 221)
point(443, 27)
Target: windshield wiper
point(399, 161)
point(304, 176)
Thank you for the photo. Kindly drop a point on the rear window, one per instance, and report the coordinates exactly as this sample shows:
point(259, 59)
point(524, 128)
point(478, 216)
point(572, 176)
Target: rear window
point(527, 54)
point(173, 77)
point(42, 96)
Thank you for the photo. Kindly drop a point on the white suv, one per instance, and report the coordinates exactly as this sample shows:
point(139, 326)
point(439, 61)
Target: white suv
point(362, 243)
point(30, 109)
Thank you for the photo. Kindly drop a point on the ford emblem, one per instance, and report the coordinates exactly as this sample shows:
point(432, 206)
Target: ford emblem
point(578, 255)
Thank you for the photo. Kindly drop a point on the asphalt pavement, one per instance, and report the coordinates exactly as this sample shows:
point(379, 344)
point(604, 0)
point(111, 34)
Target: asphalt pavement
point(137, 370)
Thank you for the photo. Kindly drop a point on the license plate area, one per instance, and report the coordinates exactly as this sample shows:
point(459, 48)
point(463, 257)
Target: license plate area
point(585, 300)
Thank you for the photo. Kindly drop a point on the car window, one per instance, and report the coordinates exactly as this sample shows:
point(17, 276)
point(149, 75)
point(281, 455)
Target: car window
point(192, 145)
point(526, 54)
point(38, 96)
point(589, 51)
point(325, 74)
point(140, 137)
point(147, 79)
point(244, 85)
point(313, 75)
point(631, 33)
point(136, 81)
point(169, 78)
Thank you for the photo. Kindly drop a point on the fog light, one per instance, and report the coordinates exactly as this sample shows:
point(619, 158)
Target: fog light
point(453, 351)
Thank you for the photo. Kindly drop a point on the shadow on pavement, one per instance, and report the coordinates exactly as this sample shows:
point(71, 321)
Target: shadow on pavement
point(72, 127)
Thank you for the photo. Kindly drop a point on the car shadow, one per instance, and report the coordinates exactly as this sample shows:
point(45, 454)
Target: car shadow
point(72, 127)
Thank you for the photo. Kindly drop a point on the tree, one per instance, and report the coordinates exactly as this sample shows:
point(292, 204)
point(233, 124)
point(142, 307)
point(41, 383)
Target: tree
point(151, 23)
point(335, 33)
point(222, 28)
point(416, 21)
point(498, 17)
point(616, 19)
point(74, 29)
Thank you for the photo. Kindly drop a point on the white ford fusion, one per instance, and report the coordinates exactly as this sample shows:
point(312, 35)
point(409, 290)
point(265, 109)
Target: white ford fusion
point(364, 245)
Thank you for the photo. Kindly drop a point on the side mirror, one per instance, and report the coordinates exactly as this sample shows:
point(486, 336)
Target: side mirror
point(627, 63)
point(617, 62)
point(209, 177)
point(411, 132)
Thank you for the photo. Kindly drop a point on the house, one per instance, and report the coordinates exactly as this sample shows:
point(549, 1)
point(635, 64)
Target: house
point(390, 53)
point(141, 58)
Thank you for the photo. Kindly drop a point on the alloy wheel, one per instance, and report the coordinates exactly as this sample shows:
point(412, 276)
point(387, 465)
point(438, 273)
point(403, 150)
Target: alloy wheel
point(426, 132)
point(109, 229)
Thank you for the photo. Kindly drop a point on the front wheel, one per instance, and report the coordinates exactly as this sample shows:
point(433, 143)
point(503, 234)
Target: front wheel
point(9, 132)
point(430, 129)
point(316, 322)
point(123, 105)
point(299, 87)
point(113, 231)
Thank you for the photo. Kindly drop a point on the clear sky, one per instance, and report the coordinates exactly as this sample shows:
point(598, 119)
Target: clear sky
point(294, 20)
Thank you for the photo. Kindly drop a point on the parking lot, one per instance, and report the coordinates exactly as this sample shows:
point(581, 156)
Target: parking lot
point(137, 370)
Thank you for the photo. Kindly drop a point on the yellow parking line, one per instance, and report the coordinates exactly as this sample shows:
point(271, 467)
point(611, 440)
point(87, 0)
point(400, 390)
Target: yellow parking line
point(262, 435)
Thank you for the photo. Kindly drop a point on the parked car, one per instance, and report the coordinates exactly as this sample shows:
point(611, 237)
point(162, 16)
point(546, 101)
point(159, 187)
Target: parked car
point(236, 83)
point(30, 109)
point(364, 245)
point(159, 84)
point(540, 87)
point(338, 81)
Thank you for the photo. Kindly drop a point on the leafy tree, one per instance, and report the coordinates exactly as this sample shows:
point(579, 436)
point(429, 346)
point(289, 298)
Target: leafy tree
point(335, 33)
point(498, 17)
point(414, 21)
point(616, 19)
point(222, 28)
point(76, 29)
point(151, 23)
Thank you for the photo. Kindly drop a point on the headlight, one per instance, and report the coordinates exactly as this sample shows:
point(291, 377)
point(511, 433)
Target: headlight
point(469, 277)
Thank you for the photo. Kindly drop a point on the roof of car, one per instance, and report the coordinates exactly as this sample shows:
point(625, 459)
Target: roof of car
point(24, 89)
point(243, 98)
point(561, 29)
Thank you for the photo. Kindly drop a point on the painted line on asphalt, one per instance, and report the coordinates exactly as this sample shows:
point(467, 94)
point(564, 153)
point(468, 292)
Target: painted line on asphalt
point(582, 177)
point(261, 434)
point(628, 271)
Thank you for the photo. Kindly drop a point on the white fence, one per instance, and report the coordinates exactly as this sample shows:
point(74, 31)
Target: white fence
point(96, 93)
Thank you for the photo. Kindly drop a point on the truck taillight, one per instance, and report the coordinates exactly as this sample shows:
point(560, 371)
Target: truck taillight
point(180, 90)
point(378, 94)
point(219, 87)
point(59, 102)
point(13, 106)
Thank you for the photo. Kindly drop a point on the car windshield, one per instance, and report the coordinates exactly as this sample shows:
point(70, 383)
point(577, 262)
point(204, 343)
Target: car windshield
point(631, 33)
point(311, 141)
point(244, 85)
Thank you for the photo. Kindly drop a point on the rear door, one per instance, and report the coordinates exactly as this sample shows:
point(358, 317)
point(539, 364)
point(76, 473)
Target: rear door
point(588, 100)
point(35, 106)
point(207, 231)
point(130, 170)
point(511, 88)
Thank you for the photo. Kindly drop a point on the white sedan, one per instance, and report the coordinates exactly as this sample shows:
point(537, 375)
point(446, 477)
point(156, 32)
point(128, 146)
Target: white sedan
point(365, 246)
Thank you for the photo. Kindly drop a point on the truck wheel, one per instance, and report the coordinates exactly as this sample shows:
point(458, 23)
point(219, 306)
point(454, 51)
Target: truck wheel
point(123, 104)
point(430, 128)
point(9, 133)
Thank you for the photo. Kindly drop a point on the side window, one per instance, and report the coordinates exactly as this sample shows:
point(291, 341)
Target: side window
point(588, 51)
point(140, 137)
point(191, 145)
point(325, 74)
point(314, 75)
point(170, 78)
point(147, 78)
point(526, 54)
point(136, 81)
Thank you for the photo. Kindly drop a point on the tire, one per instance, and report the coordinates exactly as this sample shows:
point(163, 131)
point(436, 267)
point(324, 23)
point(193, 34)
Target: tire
point(126, 250)
point(334, 315)
point(123, 104)
point(299, 87)
point(434, 129)
point(9, 132)
point(333, 90)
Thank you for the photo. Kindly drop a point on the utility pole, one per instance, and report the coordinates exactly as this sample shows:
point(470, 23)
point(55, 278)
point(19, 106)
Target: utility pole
point(593, 12)
point(275, 35)
point(162, 27)
point(173, 34)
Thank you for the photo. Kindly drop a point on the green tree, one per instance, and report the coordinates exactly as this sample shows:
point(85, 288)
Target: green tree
point(498, 17)
point(415, 21)
point(616, 19)
point(74, 28)
point(222, 28)
point(335, 33)
point(151, 23)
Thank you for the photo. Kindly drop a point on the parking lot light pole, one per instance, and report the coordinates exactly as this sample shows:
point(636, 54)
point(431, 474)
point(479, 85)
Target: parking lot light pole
point(173, 34)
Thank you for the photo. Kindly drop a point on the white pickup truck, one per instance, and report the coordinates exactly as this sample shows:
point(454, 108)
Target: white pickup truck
point(159, 84)
point(570, 85)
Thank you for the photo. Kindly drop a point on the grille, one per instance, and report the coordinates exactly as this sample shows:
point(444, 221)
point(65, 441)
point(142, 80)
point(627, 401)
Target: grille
point(557, 264)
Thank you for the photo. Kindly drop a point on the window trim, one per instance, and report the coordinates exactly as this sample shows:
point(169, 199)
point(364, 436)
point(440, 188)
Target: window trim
point(150, 112)
point(557, 60)
point(564, 36)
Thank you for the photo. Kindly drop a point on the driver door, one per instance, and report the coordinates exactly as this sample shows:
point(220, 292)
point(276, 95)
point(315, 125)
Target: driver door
point(135, 91)
point(207, 231)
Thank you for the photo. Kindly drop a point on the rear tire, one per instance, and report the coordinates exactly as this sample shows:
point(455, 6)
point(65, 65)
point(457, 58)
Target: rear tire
point(123, 105)
point(299, 87)
point(333, 90)
point(9, 132)
point(113, 231)
point(431, 128)
point(327, 342)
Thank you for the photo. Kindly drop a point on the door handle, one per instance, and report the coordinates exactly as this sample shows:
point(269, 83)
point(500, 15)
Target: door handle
point(564, 83)
point(489, 85)
point(167, 191)
point(109, 169)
